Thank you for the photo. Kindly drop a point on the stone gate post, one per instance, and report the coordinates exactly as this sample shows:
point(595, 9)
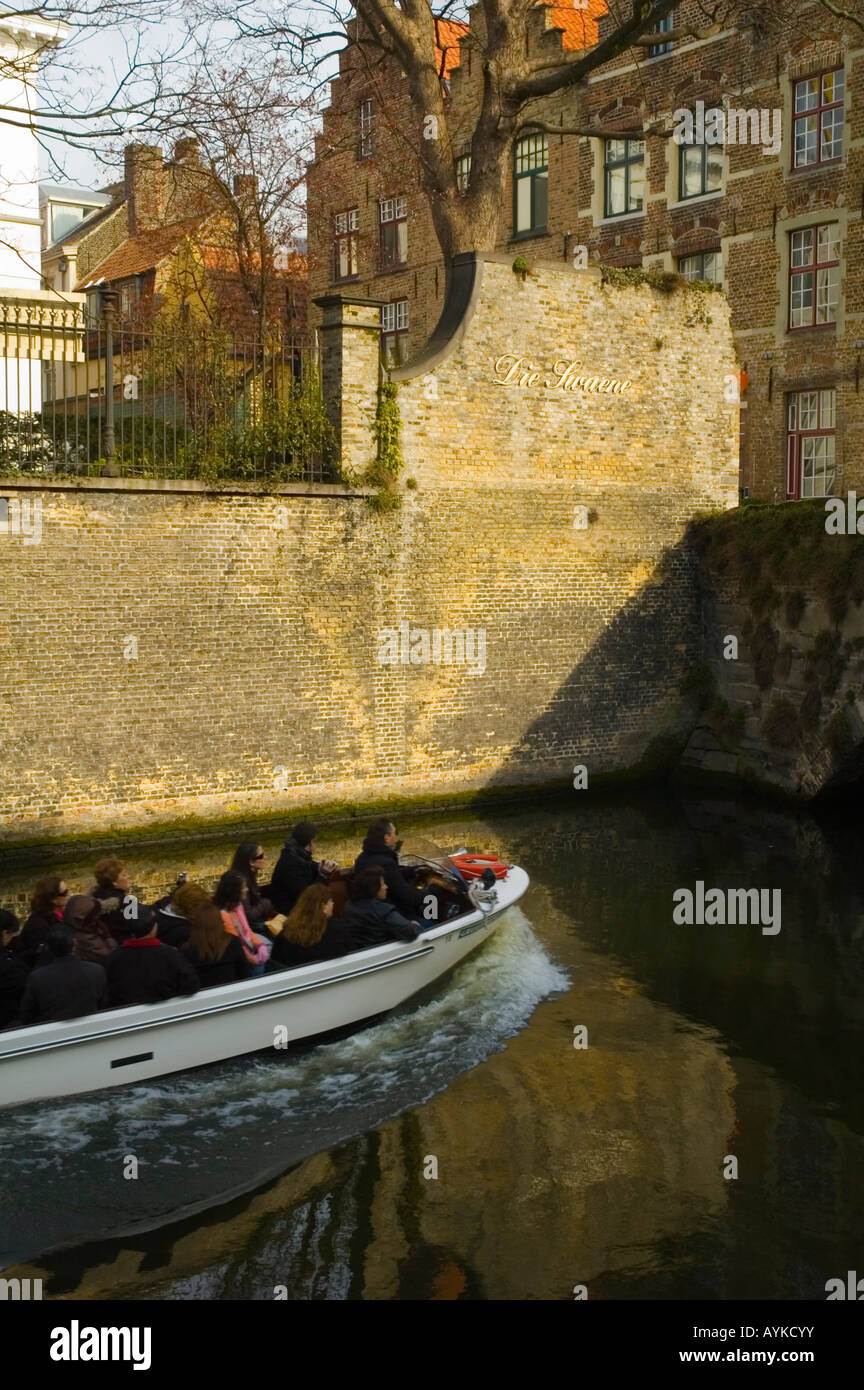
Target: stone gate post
point(350, 356)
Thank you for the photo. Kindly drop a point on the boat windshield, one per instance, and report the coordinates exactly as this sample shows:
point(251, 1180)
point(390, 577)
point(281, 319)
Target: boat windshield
point(417, 851)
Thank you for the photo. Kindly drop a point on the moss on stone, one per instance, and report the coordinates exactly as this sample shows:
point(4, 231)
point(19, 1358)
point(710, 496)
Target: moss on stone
point(203, 828)
point(699, 685)
point(780, 727)
point(783, 546)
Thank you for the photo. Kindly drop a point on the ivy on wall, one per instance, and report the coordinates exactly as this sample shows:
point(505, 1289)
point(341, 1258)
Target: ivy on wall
point(384, 473)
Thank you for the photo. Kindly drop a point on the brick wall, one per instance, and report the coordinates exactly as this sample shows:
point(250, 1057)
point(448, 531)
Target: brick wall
point(104, 239)
point(172, 652)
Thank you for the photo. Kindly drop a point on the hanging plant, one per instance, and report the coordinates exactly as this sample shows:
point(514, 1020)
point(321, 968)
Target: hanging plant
point(384, 473)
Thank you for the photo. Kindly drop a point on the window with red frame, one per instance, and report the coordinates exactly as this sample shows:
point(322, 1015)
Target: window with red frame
point(818, 119)
point(345, 265)
point(810, 443)
point(814, 275)
point(393, 232)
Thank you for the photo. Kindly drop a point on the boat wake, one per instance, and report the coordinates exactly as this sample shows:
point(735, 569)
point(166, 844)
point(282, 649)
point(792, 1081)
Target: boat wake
point(203, 1137)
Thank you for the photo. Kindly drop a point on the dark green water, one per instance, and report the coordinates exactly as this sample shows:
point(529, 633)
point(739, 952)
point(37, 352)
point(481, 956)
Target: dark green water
point(556, 1166)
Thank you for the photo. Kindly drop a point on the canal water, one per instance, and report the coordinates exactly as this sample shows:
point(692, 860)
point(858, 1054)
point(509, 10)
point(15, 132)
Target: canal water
point(463, 1147)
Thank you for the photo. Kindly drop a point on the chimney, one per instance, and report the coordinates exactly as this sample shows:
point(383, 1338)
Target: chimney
point(145, 188)
point(245, 184)
point(186, 149)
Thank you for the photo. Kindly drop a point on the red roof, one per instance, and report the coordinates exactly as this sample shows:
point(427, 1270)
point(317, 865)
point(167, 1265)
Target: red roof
point(577, 19)
point(139, 253)
point(447, 35)
point(579, 25)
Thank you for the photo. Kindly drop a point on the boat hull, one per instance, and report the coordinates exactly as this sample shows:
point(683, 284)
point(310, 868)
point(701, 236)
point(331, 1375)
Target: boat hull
point(123, 1046)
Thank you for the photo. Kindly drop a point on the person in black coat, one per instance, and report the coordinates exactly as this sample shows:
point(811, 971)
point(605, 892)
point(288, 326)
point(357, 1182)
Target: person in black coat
point(67, 988)
point(311, 932)
point(120, 907)
point(296, 869)
point(174, 914)
point(380, 851)
point(144, 970)
point(216, 957)
point(371, 918)
point(13, 971)
point(47, 902)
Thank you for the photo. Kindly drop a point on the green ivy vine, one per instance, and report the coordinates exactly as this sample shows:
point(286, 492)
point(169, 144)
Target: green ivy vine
point(384, 472)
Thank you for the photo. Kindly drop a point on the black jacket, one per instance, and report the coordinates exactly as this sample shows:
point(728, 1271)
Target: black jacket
point(13, 978)
point(146, 974)
point(28, 945)
point(67, 988)
point(295, 870)
point(373, 921)
point(171, 928)
point(113, 901)
point(232, 964)
point(399, 891)
point(336, 941)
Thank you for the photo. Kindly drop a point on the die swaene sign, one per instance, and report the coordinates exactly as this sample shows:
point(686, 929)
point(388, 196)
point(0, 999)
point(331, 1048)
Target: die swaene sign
point(511, 370)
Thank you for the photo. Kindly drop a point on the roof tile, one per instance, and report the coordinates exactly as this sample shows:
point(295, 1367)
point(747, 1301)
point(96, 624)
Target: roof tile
point(139, 253)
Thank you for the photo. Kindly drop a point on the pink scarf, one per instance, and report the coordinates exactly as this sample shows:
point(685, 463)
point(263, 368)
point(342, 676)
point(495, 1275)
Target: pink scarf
point(255, 948)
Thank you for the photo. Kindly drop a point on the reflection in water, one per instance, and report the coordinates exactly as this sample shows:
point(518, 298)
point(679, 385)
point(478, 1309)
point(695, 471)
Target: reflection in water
point(556, 1165)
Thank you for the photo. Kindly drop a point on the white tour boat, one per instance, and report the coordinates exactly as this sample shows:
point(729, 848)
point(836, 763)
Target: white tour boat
point(119, 1046)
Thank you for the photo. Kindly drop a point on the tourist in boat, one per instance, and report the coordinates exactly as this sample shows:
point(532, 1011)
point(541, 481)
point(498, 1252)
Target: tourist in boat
point(13, 971)
point(144, 970)
point(112, 891)
point(249, 861)
point(310, 931)
point(83, 916)
point(216, 956)
point(372, 919)
point(67, 987)
point(380, 851)
point(174, 914)
point(296, 867)
point(230, 897)
point(47, 902)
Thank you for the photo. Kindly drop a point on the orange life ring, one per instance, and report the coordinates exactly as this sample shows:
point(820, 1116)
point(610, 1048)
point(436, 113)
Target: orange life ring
point(471, 866)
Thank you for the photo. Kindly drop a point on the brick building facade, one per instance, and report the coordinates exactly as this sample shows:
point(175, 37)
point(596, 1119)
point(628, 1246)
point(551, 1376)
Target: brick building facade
point(767, 204)
point(168, 238)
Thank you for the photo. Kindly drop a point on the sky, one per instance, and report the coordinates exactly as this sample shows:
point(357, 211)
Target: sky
point(85, 71)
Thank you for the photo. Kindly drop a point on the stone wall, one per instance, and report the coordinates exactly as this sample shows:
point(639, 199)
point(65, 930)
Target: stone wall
point(176, 653)
point(780, 688)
